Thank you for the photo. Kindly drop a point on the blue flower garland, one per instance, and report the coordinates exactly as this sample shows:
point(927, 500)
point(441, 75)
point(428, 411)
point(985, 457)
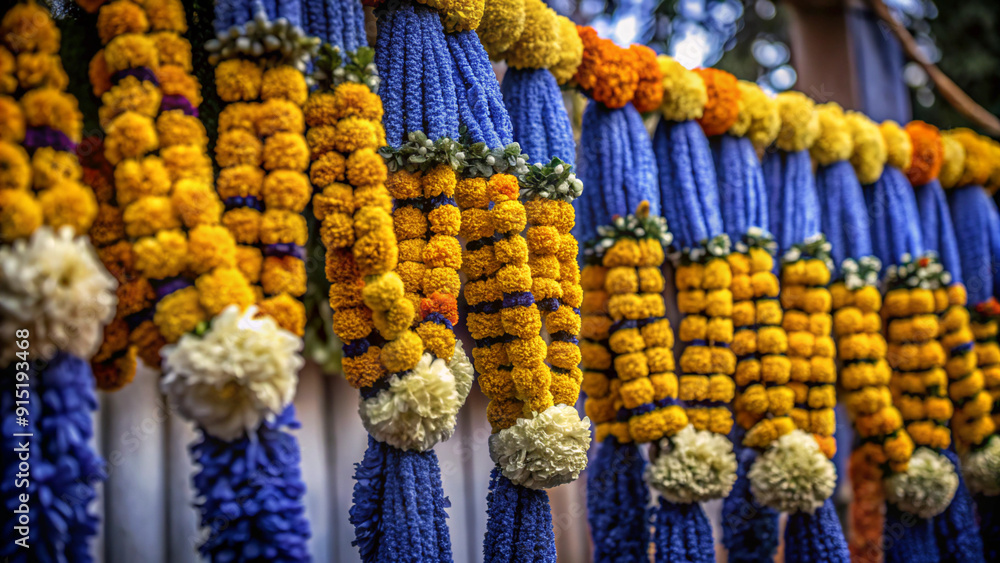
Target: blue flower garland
point(616, 503)
point(64, 468)
point(895, 223)
point(521, 528)
point(538, 115)
point(617, 167)
point(956, 528)
point(480, 105)
point(970, 214)
point(250, 495)
point(989, 526)
point(793, 204)
point(816, 538)
point(937, 230)
point(908, 539)
point(689, 191)
point(749, 529)
point(742, 192)
point(683, 534)
point(843, 211)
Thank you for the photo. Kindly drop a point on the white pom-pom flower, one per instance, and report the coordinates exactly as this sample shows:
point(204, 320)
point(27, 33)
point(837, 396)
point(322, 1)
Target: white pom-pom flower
point(793, 475)
point(417, 409)
point(242, 371)
point(547, 450)
point(926, 487)
point(693, 466)
point(982, 468)
point(463, 371)
point(54, 286)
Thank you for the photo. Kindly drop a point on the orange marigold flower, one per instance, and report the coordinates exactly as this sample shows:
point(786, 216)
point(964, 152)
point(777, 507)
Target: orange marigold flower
point(649, 92)
point(608, 73)
point(928, 152)
point(442, 303)
point(723, 106)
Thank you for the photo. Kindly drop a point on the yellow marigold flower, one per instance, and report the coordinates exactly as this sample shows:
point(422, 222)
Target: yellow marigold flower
point(899, 148)
point(377, 253)
point(209, 247)
point(278, 116)
point(439, 180)
point(286, 83)
point(288, 312)
point(437, 339)
point(48, 107)
point(953, 162)
point(11, 120)
point(223, 287)
point(286, 150)
point(179, 313)
point(166, 15)
point(131, 50)
point(20, 214)
point(28, 27)
point(242, 180)
point(327, 169)
point(870, 152)
point(348, 135)
point(173, 49)
point(283, 275)
point(799, 122)
point(538, 45)
point(445, 220)
point(469, 192)
point(286, 189)
point(758, 118)
point(978, 162)
point(835, 142)
point(236, 147)
point(511, 250)
point(443, 252)
point(148, 215)
point(369, 219)
point(402, 353)
point(50, 167)
point(130, 94)
point(100, 76)
point(161, 256)
point(119, 18)
point(570, 52)
point(238, 115)
point(356, 100)
point(366, 168)
point(68, 203)
point(176, 128)
point(336, 198)
point(238, 80)
point(250, 261)
point(243, 223)
point(684, 91)
point(279, 226)
point(502, 23)
point(130, 135)
point(196, 203)
point(35, 70)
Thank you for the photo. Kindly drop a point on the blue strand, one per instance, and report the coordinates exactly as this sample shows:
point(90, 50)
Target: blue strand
point(291, 11)
point(519, 524)
point(937, 230)
point(742, 191)
point(895, 220)
point(816, 538)
point(683, 534)
point(538, 116)
point(616, 503)
point(64, 468)
point(970, 215)
point(316, 25)
point(843, 211)
point(908, 538)
point(475, 81)
point(413, 100)
point(612, 177)
point(399, 507)
point(687, 180)
point(989, 526)
point(481, 67)
point(251, 494)
point(335, 29)
point(223, 15)
point(749, 529)
point(956, 528)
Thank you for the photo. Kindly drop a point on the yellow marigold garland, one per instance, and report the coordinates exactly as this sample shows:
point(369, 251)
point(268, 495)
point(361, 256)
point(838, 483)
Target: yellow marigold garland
point(976, 394)
point(805, 297)
point(919, 381)
point(707, 363)
point(637, 337)
point(600, 383)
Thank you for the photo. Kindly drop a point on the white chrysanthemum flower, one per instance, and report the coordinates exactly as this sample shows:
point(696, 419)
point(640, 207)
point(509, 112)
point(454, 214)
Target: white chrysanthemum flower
point(242, 371)
point(694, 466)
point(793, 475)
point(926, 487)
point(463, 371)
point(982, 468)
point(417, 409)
point(54, 286)
point(545, 451)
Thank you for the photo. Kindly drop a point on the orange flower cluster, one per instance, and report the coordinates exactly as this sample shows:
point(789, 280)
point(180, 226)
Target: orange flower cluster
point(928, 152)
point(615, 76)
point(723, 106)
point(867, 510)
